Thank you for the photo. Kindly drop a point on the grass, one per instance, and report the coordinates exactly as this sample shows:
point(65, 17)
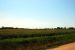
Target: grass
point(34, 39)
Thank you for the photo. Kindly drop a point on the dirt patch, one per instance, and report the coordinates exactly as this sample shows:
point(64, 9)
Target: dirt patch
point(70, 46)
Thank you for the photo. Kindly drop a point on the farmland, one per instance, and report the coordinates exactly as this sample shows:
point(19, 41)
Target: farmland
point(34, 39)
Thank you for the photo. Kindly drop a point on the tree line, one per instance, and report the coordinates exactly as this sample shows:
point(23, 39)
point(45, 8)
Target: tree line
point(35, 28)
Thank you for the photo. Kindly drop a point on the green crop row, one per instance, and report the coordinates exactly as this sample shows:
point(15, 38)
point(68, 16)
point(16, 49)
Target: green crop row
point(60, 38)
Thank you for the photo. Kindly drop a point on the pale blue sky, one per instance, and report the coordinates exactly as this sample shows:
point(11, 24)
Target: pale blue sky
point(37, 13)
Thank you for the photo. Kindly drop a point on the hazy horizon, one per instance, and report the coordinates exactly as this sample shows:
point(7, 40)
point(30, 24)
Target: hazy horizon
point(37, 13)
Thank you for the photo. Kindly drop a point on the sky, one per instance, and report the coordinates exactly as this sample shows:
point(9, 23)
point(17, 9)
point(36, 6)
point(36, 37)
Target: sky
point(37, 13)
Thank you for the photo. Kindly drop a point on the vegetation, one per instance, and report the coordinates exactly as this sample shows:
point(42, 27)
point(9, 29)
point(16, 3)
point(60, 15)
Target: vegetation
point(34, 39)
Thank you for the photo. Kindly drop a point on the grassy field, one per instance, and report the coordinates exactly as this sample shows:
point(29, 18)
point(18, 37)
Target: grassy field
point(34, 39)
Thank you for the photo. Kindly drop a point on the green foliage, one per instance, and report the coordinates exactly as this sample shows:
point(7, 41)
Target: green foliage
point(36, 36)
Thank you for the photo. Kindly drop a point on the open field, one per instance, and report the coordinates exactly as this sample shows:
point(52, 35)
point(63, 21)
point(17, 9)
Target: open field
point(34, 39)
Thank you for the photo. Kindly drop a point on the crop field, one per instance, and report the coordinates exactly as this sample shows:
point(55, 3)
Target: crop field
point(34, 39)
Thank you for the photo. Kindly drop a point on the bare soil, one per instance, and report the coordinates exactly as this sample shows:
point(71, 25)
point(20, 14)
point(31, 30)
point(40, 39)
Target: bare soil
point(70, 46)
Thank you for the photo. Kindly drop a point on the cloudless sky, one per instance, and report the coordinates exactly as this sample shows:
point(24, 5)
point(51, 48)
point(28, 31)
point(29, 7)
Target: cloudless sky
point(37, 13)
